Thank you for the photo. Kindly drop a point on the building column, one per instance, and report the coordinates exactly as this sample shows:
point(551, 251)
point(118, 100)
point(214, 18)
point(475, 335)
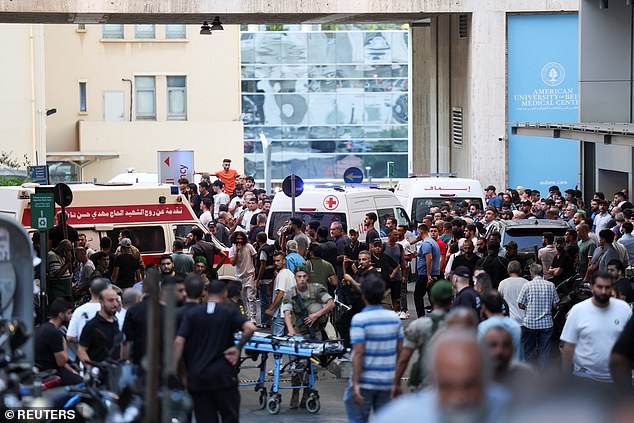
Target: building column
point(486, 114)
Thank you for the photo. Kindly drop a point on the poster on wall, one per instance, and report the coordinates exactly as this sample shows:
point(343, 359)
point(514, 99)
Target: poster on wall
point(543, 87)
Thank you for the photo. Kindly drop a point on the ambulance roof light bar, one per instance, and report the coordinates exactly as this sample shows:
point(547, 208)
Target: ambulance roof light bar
point(433, 175)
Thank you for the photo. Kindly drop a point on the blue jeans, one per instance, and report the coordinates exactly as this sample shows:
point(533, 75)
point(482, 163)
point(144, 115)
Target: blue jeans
point(537, 344)
point(265, 301)
point(373, 399)
point(278, 328)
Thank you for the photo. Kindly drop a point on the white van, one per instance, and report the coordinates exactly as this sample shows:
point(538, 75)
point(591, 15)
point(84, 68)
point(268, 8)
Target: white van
point(156, 215)
point(419, 194)
point(337, 204)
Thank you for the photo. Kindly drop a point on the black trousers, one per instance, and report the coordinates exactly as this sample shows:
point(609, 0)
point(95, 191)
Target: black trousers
point(419, 295)
point(213, 404)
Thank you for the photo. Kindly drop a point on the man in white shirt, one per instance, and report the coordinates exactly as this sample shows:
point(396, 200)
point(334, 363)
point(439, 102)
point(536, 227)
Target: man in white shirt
point(130, 297)
point(547, 254)
point(83, 313)
point(237, 199)
point(591, 330)
point(220, 197)
point(284, 282)
point(602, 218)
point(510, 289)
point(206, 216)
point(252, 210)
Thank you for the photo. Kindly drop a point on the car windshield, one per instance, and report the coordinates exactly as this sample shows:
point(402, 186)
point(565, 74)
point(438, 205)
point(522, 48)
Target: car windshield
point(528, 238)
point(421, 206)
point(278, 219)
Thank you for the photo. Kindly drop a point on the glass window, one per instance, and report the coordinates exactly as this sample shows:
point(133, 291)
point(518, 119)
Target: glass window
point(148, 239)
point(401, 216)
point(82, 97)
point(279, 219)
point(144, 31)
point(384, 215)
point(175, 31)
point(145, 87)
point(421, 206)
point(112, 31)
point(176, 97)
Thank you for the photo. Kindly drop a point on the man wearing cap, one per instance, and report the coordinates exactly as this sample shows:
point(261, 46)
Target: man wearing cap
point(492, 198)
point(227, 176)
point(126, 267)
point(466, 296)
point(200, 268)
point(418, 335)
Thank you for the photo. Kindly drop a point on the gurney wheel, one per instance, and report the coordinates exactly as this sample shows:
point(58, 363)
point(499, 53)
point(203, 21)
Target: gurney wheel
point(262, 399)
point(273, 405)
point(312, 404)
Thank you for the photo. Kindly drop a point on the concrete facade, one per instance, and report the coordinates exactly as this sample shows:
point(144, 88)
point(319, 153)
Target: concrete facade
point(447, 70)
point(606, 92)
point(210, 64)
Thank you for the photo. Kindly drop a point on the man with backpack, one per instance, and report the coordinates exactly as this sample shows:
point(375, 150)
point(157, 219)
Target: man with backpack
point(418, 335)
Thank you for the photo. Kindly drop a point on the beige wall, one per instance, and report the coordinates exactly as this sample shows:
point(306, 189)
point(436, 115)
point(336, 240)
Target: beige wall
point(209, 140)
point(212, 67)
point(17, 126)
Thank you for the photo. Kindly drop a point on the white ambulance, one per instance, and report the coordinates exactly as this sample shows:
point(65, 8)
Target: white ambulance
point(156, 215)
point(337, 204)
point(420, 193)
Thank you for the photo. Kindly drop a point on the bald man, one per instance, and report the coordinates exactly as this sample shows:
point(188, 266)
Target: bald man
point(460, 389)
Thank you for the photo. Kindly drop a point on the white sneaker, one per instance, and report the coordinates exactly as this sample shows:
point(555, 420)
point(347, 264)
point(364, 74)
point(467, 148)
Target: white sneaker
point(401, 315)
point(404, 315)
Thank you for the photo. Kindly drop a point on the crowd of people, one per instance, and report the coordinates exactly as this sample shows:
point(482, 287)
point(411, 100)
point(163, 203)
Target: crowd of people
point(484, 327)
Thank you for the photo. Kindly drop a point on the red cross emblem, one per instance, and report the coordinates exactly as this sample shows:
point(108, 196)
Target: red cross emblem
point(331, 202)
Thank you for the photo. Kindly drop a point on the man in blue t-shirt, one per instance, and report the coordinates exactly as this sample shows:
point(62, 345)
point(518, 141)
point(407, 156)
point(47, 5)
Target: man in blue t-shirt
point(492, 198)
point(428, 266)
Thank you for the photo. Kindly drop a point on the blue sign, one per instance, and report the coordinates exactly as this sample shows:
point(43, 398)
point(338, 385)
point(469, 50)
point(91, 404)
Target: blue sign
point(39, 174)
point(287, 185)
point(353, 175)
point(543, 80)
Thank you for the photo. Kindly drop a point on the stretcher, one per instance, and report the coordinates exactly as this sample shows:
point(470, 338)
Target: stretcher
point(303, 357)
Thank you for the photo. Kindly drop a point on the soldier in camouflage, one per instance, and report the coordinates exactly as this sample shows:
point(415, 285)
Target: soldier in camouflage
point(306, 307)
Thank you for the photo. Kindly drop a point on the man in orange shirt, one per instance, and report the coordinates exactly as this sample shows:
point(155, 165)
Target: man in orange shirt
point(227, 176)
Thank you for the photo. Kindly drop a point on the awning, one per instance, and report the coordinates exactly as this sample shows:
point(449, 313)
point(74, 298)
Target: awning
point(80, 158)
point(596, 132)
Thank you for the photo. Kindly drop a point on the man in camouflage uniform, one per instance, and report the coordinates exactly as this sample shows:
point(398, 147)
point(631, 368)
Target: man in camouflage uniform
point(306, 307)
point(308, 304)
point(419, 334)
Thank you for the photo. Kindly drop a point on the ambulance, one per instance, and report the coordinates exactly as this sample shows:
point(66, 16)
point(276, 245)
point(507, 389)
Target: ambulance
point(328, 204)
point(420, 193)
point(156, 215)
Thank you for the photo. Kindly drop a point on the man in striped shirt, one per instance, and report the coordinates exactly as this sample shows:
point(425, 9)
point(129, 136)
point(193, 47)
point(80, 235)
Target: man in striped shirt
point(376, 335)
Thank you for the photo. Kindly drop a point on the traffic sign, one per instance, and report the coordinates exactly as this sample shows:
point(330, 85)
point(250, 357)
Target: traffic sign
point(353, 175)
point(42, 211)
point(63, 195)
point(39, 174)
point(287, 186)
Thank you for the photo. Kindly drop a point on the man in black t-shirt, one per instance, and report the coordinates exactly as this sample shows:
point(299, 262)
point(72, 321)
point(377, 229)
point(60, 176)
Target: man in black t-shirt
point(126, 267)
point(465, 294)
point(101, 339)
point(368, 223)
point(49, 345)
point(194, 287)
point(207, 250)
point(563, 266)
point(135, 327)
point(56, 233)
point(210, 355)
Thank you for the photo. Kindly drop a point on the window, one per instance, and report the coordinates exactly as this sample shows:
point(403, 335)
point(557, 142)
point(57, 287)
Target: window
point(112, 31)
point(278, 219)
point(144, 31)
point(82, 97)
point(384, 215)
point(175, 31)
point(148, 239)
point(176, 98)
point(145, 87)
point(81, 27)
